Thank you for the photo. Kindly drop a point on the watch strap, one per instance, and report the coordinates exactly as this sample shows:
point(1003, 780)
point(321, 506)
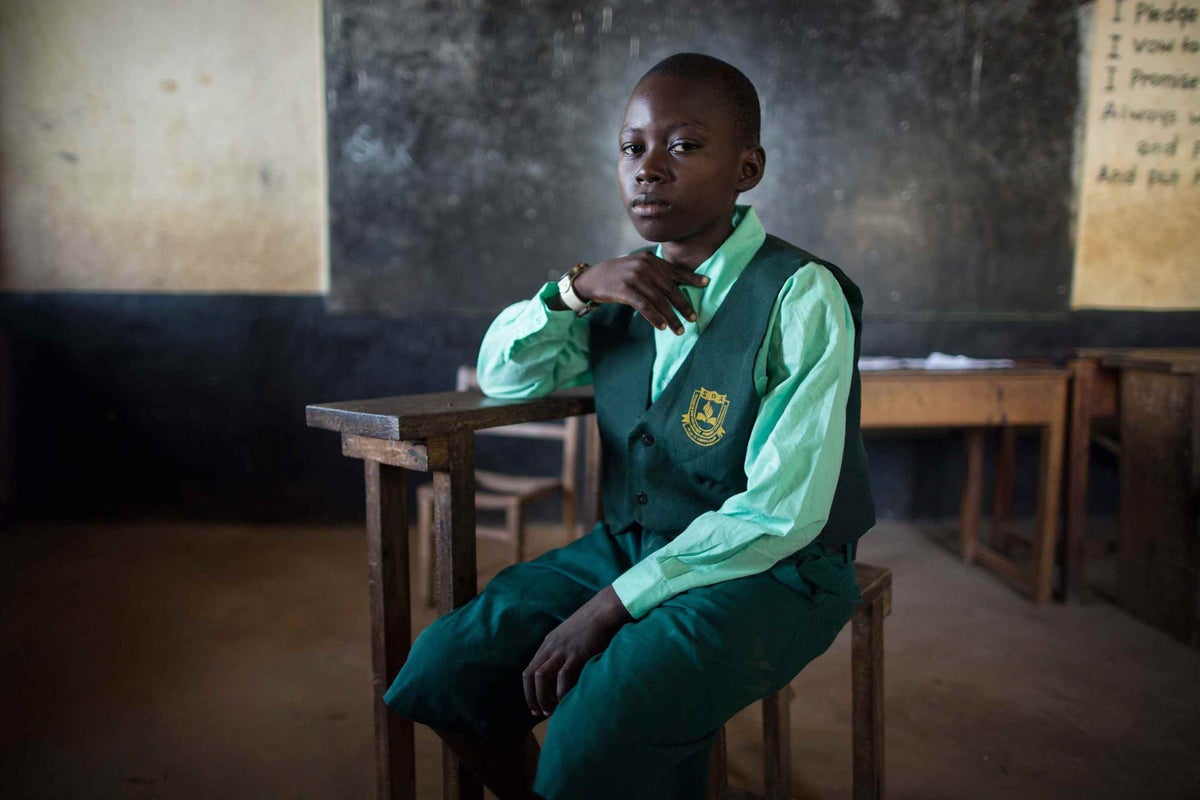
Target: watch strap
point(566, 290)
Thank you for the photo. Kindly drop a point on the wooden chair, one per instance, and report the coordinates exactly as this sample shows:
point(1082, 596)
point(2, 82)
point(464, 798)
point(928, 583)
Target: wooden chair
point(866, 667)
point(505, 492)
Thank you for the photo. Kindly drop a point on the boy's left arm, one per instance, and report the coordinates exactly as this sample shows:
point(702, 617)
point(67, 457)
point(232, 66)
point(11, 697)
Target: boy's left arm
point(792, 465)
point(792, 462)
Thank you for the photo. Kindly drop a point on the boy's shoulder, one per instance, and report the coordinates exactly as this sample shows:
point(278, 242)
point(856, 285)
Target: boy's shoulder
point(813, 272)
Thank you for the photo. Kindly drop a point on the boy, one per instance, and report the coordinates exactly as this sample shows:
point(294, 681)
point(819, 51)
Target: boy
point(735, 480)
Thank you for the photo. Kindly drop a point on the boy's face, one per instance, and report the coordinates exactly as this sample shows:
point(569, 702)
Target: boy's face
point(681, 165)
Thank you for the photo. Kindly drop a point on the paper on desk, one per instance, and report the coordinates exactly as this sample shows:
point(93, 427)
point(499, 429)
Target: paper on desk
point(934, 360)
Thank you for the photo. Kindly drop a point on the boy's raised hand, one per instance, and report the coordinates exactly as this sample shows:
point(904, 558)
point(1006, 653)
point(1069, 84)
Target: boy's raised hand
point(647, 283)
point(555, 667)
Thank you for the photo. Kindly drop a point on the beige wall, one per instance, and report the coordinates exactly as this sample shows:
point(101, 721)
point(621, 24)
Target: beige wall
point(158, 146)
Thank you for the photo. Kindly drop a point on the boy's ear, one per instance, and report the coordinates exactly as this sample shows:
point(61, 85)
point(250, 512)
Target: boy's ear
point(754, 162)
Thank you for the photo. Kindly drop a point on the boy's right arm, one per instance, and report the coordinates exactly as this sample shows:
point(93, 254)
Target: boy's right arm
point(531, 349)
point(537, 345)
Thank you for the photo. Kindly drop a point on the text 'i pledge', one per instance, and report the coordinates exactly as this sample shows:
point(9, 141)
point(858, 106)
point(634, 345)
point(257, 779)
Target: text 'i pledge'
point(1153, 56)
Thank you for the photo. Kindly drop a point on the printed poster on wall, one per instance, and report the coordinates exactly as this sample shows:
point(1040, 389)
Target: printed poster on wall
point(1139, 210)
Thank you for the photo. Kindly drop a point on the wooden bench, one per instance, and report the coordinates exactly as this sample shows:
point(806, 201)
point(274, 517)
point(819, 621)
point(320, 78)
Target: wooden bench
point(866, 668)
point(1153, 394)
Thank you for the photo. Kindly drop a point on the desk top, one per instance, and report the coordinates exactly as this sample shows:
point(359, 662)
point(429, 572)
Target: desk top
point(1184, 360)
point(422, 416)
point(989, 374)
point(936, 398)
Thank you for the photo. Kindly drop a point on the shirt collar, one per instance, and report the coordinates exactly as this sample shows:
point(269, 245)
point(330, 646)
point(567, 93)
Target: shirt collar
point(736, 251)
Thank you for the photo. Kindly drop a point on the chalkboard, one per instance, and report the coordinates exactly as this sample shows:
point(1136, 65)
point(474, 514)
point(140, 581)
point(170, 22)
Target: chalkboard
point(924, 147)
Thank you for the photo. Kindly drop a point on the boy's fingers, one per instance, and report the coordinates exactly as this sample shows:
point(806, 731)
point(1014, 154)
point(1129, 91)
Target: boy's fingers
point(568, 676)
point(664, 289)
point(648, 308)
point(530, 692)
point(529, 683)
point(545, 678)
point(680, 301)
point(688, 276)
point(661, 263)
point(662, 305)
point(678, 274)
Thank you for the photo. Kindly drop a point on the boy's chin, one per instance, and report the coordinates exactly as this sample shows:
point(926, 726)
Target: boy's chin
point(654, 230)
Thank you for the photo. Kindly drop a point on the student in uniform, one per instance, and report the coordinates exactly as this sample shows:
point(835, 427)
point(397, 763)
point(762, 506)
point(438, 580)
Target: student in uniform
point(735, 481)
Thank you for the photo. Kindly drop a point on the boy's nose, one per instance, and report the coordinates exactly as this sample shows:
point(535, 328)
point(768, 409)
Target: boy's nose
point(649, 174)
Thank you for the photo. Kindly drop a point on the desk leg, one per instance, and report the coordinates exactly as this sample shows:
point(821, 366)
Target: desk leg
point(777, 744)
point(866, 666)
point(972, 494)
point(1003, 487)
point(454, 540)
point(717, 787)
point(391, 624)
point(593, 510)
point(1083, 376)
point(1046, 530)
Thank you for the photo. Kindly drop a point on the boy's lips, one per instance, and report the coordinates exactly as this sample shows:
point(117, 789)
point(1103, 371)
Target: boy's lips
point(648, 205)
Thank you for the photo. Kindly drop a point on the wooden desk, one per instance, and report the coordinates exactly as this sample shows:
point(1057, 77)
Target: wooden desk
point(426, 433)
point(977, 400)
point(1155, 395)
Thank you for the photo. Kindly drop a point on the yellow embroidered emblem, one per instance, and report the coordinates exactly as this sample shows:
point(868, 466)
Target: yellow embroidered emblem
point(702, 422)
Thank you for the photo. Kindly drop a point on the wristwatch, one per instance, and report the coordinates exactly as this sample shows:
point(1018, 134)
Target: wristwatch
point(566, 290)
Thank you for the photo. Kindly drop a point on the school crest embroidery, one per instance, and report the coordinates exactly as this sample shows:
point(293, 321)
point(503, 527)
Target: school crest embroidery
point(706, 412)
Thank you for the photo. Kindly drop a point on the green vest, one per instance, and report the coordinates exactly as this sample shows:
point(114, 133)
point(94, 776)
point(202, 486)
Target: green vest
point(668, 462)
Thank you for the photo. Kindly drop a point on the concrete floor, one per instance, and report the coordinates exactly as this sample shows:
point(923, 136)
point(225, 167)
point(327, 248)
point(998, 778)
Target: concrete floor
point(188, 661)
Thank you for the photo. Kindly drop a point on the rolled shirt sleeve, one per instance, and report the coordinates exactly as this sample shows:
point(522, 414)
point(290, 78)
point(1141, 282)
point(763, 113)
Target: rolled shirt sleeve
point(530, 350)
point(803, 374)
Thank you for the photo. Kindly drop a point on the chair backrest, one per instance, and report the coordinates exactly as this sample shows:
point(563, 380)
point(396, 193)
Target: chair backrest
point(566, 431)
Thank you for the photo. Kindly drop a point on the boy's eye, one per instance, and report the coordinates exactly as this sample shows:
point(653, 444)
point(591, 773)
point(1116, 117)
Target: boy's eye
point(684, 147)
point(632, 149)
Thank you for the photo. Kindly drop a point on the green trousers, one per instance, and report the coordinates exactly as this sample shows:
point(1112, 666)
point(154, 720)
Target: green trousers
point(642, 718)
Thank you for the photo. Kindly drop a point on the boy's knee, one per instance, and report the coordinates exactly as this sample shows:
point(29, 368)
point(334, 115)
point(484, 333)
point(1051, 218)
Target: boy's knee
point(453, 682)
point(427, 674)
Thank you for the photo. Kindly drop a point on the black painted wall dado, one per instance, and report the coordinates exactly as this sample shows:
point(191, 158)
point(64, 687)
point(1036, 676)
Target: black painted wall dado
point(192, 407)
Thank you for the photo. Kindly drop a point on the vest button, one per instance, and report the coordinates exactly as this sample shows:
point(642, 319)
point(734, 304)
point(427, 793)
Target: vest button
point(642, 498)
point(647, 439)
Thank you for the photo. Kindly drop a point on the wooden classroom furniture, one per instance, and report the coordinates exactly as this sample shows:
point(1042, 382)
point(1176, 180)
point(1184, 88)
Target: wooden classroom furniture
point(508, 492)
point(425, 433)
point(1155, 395)
point(977, 400)
point(436, 433)
point(866, 667)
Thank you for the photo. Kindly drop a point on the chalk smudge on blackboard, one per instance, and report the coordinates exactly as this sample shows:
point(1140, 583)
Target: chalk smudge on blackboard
point(364, 147)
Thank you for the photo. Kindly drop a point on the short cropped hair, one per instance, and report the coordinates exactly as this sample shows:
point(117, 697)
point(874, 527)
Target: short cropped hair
point(737, 93)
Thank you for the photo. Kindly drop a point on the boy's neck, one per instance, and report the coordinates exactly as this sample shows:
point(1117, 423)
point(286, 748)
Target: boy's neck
point(695, 250)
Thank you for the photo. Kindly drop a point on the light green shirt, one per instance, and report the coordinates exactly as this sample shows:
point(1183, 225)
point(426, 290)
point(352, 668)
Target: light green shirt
point(802, 375)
